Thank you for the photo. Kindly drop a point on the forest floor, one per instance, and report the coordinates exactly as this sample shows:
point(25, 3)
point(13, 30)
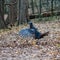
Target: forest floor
point(13, 47)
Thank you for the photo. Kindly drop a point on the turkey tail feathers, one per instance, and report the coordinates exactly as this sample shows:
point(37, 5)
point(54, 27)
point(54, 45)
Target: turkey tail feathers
point(44, 34)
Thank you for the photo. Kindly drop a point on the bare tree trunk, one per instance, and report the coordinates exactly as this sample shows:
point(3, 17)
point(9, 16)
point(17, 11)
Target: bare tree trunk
point(40, 6)
point(2, 13)
point(52, 7)
point(23, 11)
point(13, 11)
point(32, 5)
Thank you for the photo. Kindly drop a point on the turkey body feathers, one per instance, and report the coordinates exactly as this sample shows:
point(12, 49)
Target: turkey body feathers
point(32, 32)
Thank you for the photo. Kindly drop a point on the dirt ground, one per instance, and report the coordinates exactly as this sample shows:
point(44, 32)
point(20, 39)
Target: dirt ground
point(13, 47)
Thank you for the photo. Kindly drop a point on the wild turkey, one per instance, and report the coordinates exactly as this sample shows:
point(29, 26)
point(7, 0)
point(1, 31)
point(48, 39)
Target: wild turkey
point(32, 32)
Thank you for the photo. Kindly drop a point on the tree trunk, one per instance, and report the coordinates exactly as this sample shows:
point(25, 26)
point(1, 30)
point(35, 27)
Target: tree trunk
point(32, 5)
point(40, 6)
point(52, 7)
point(2, 13)
point(23, 7)
point(13, 11)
